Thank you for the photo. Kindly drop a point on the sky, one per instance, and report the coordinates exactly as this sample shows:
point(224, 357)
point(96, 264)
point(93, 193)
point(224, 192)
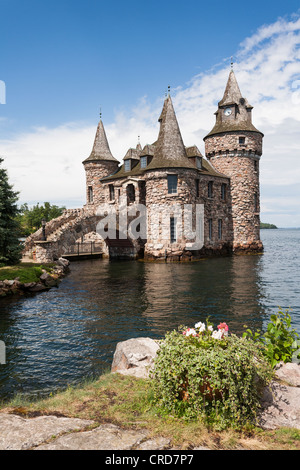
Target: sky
point(61, 62)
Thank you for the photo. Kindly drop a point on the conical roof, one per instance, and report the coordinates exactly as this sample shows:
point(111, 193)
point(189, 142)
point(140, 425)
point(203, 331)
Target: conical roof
point(232, 94)
point(239, 121)
point(101, 150)
point(169, 150)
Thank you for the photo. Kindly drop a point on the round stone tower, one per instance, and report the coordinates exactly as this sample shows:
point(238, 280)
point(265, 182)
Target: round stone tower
point(99, 164)
point(234, 148)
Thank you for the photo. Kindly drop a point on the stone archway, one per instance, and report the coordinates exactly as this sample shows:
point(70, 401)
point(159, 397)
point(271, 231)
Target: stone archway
point(66, 231)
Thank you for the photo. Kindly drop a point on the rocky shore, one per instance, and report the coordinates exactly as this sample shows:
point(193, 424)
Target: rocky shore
point(46, 281)
point(280, 408)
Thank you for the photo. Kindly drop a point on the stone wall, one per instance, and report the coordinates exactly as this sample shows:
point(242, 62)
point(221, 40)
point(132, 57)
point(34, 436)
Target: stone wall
point(239, 160)
point(215, 208)
point(227, 142)
point(245, 198)
point(96, 170)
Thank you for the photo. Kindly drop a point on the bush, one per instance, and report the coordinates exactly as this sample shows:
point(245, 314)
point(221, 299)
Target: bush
point(201, 373)
point(280, 342)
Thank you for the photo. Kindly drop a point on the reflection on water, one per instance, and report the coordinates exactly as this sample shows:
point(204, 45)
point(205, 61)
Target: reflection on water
point(60, 337)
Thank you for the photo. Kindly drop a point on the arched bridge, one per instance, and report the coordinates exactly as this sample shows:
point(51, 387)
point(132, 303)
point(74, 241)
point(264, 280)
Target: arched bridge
point(65, 232)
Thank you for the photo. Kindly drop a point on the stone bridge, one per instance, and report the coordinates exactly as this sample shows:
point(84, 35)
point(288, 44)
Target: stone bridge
point(72, 227)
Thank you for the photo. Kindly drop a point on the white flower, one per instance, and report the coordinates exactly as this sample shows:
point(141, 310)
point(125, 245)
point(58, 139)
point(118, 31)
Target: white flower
point(217, 334)
point(190, 331)
point(210, 328)
point(201, 326)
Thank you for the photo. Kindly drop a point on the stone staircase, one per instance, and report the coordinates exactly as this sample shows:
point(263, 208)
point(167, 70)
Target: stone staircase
point(54, 229)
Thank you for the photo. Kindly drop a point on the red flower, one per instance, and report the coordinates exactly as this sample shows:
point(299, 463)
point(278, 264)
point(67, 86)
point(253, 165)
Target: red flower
point(223, 326)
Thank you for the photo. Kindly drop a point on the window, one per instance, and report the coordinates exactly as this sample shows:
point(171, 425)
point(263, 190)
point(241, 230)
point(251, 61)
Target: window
point(172, 229)
point(255, 202)
point(127, 165)
point(143, 162)
point(210, 189)
point(172, 184)
point(90, 194)
point(197, 183)
point(223, 191)
point(220, 229)
point(242, 140)
point(199, 162)
point(130, 193)
point(210, 229)
point(111, 192)
point(255, 165)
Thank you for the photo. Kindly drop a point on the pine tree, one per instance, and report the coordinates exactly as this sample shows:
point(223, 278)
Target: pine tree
point(10, 246)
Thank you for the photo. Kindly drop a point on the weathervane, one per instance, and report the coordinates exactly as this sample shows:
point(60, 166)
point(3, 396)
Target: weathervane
point(231, 63)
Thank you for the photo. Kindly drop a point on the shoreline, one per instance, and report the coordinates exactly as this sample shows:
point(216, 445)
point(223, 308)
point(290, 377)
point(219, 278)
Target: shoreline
point(47, 277)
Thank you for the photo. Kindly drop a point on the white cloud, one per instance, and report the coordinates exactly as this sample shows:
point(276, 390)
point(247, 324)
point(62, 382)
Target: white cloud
point(45, 164)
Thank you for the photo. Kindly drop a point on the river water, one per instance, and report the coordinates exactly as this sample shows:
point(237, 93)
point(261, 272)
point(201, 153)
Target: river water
point(60, 337)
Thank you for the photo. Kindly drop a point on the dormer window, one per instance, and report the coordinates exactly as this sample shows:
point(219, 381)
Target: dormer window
point(127, 165)
point(199, 163)
point(143, 162)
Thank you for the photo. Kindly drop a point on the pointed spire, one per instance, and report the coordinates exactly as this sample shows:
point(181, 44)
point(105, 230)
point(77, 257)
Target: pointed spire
point(101, 150)
point(139, 147)
point(169, 143)
point(232, 94)
point(239, 116)
point(169, 147)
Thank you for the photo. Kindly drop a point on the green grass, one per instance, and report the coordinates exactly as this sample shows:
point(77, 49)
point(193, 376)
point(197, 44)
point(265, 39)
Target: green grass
point(127, 402)
point(26, 272)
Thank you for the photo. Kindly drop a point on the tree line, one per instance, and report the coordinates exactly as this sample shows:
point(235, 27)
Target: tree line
point(18, 222)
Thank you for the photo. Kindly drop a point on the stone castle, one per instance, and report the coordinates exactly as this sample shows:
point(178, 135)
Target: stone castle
point(170, 181)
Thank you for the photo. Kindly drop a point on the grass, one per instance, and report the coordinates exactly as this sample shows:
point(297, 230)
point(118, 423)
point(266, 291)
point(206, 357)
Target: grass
point(26, 272)
point(126, 402)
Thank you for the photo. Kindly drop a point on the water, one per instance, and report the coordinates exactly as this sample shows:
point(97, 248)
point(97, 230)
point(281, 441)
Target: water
point(60, 337)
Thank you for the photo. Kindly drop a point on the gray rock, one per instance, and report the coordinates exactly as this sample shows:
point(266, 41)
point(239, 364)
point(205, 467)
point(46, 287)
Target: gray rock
point(17, 433)
point(134, 357)
point(63, 262)
point(280, 407)
point(105, 437)
point(48, 280)
point(289, 373)
point(37, 287)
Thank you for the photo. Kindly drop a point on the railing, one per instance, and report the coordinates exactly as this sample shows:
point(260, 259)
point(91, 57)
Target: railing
point(84, 248)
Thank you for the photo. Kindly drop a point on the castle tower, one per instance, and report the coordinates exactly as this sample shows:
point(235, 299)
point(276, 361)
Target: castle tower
point(167, 188)
point(99, 164)
point(234, 148)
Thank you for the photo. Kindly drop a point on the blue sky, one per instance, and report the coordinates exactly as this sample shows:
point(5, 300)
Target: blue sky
point(63, 60)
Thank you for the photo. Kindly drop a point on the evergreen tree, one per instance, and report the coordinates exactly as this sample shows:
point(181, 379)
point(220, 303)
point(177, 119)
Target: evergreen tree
point(10, 246)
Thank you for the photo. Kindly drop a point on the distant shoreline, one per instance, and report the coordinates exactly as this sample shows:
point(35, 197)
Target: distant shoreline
point(268, 226)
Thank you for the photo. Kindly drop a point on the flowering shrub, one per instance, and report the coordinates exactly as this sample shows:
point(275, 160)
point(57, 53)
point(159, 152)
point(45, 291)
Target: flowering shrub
point(205, 373)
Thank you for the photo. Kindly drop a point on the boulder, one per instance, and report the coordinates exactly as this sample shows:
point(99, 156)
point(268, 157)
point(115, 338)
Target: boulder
point(63, 262)
point(48, 280)
point(289, 373)
point(281, 399)
point(134, 357)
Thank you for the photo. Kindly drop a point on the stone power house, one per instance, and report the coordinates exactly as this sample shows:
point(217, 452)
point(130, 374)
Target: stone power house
point(167, 178)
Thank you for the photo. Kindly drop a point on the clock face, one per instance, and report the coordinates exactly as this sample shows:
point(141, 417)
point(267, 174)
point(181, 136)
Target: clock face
point(227, 111)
